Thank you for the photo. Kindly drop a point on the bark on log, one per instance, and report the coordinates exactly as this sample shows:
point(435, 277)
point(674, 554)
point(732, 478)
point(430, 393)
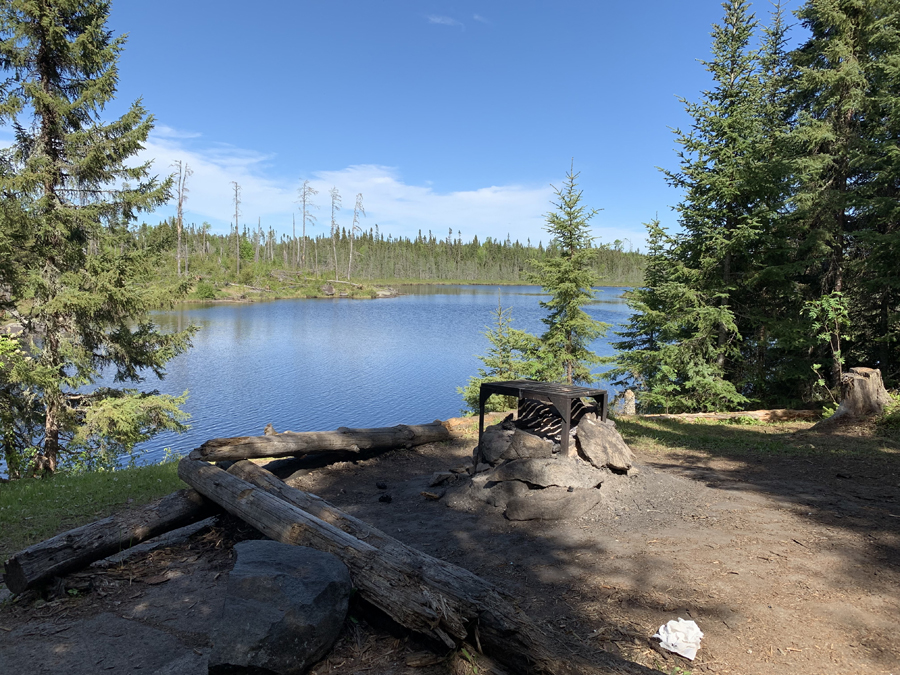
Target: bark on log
point(292, 443)
point(83, 545)
point(418, 591)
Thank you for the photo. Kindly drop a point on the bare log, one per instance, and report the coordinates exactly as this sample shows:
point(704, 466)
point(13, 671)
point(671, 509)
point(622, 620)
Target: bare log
point(83, 545)
point(418, 591)
point(778, 415)
point(292, 443)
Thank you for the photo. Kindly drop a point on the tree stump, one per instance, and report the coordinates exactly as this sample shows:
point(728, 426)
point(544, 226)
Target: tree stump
point(862, 395)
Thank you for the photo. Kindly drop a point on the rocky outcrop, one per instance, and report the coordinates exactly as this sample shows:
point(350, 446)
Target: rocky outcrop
point(284, 608)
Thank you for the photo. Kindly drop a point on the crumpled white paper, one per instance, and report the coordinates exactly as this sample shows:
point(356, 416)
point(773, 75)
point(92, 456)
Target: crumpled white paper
point(682, 637)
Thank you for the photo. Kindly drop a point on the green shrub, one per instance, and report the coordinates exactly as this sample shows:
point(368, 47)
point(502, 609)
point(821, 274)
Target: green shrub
point(890, 418)
point(205, 291)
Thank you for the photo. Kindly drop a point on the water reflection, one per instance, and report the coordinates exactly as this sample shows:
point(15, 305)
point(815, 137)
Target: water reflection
point(309, 365)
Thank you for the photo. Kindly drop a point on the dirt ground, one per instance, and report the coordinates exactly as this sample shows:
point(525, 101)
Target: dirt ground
point(789, 564)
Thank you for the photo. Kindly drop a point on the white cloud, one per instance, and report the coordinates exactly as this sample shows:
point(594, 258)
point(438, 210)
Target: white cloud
point(164, 131)
point(399, 208)
point(403, 209)
point(445, 21)
point(210, 193)
point(479, 18)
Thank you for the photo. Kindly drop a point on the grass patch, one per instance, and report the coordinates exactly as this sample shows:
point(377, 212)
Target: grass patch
point(741, 441)
point(32, 509)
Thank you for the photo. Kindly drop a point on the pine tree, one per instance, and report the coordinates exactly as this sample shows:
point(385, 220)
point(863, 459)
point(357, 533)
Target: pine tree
point(699, 293)
point(81, 292)
point(846, 157)
point(568, 277)
point(504, 360)
point(670, 345)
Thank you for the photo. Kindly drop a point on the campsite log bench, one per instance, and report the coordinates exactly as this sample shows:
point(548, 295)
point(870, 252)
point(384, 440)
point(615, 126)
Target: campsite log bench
point(560, 395)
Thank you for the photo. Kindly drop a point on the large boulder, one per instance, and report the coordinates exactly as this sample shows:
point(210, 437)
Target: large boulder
point(526, 445)
point(602, 445)
point(563, 472)
point(553, 503)
point(494, 444)
point(284, 608)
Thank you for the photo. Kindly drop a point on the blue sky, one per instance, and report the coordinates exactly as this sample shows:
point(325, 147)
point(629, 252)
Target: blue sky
point(442, 114)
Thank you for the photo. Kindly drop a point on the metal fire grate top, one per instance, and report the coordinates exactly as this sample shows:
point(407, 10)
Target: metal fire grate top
point(559, 395)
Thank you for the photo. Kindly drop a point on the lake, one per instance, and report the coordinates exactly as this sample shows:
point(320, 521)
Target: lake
point(314, 365)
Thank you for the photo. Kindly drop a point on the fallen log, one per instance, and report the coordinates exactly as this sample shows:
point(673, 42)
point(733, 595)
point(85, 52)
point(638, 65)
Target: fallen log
point(291, 443)
point(83, 545)
point(779, 415)
point(418, 591)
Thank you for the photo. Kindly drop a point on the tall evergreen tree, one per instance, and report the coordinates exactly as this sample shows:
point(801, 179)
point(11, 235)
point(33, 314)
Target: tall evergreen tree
point(697, 302)
point(569, 279)
point(69, 183)
point(846, 97)
point(669, 348)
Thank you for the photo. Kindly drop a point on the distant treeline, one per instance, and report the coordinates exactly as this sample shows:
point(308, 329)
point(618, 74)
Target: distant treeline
point(368, 256)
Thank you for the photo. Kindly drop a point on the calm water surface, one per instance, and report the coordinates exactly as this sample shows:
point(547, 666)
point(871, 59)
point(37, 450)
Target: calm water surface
point(311, 365)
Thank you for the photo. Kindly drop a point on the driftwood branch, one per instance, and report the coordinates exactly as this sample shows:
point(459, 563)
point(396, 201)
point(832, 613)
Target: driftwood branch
point(418, 591)
point(83, 545)
point(292, 443)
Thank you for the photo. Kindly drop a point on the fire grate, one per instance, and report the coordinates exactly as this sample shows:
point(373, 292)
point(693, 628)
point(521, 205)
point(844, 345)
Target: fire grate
point(559, 395)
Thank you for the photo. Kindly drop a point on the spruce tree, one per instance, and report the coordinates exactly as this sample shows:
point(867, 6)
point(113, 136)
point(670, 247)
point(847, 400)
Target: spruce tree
point(503, 361)
point(569, 279)
point(669, 348)
point(847, 90)
point(80, 291)
point(695, 305)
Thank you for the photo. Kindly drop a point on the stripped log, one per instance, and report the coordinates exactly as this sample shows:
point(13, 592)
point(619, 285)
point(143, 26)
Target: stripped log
point(779, 415)
point(292, 443)
point(418, 591)
point(83, 545)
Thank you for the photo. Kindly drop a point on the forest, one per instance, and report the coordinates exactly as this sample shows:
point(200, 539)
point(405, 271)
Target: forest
point(783, 270)
point(369, 255)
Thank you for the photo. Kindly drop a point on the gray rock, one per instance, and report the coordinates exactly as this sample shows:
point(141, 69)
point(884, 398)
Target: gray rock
point(602, 445)
point(494, 443)
point(191, 663)
point(104, 643)
point(439, 477)
point(559, 471)
point(284, 608)
point(500, 493)
point(524, 445)
point(553, 503)
point(327, 289)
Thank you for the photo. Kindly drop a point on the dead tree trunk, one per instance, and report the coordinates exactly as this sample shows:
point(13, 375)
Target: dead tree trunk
point(302, 443)
point(86, 544)
point(418, 591)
